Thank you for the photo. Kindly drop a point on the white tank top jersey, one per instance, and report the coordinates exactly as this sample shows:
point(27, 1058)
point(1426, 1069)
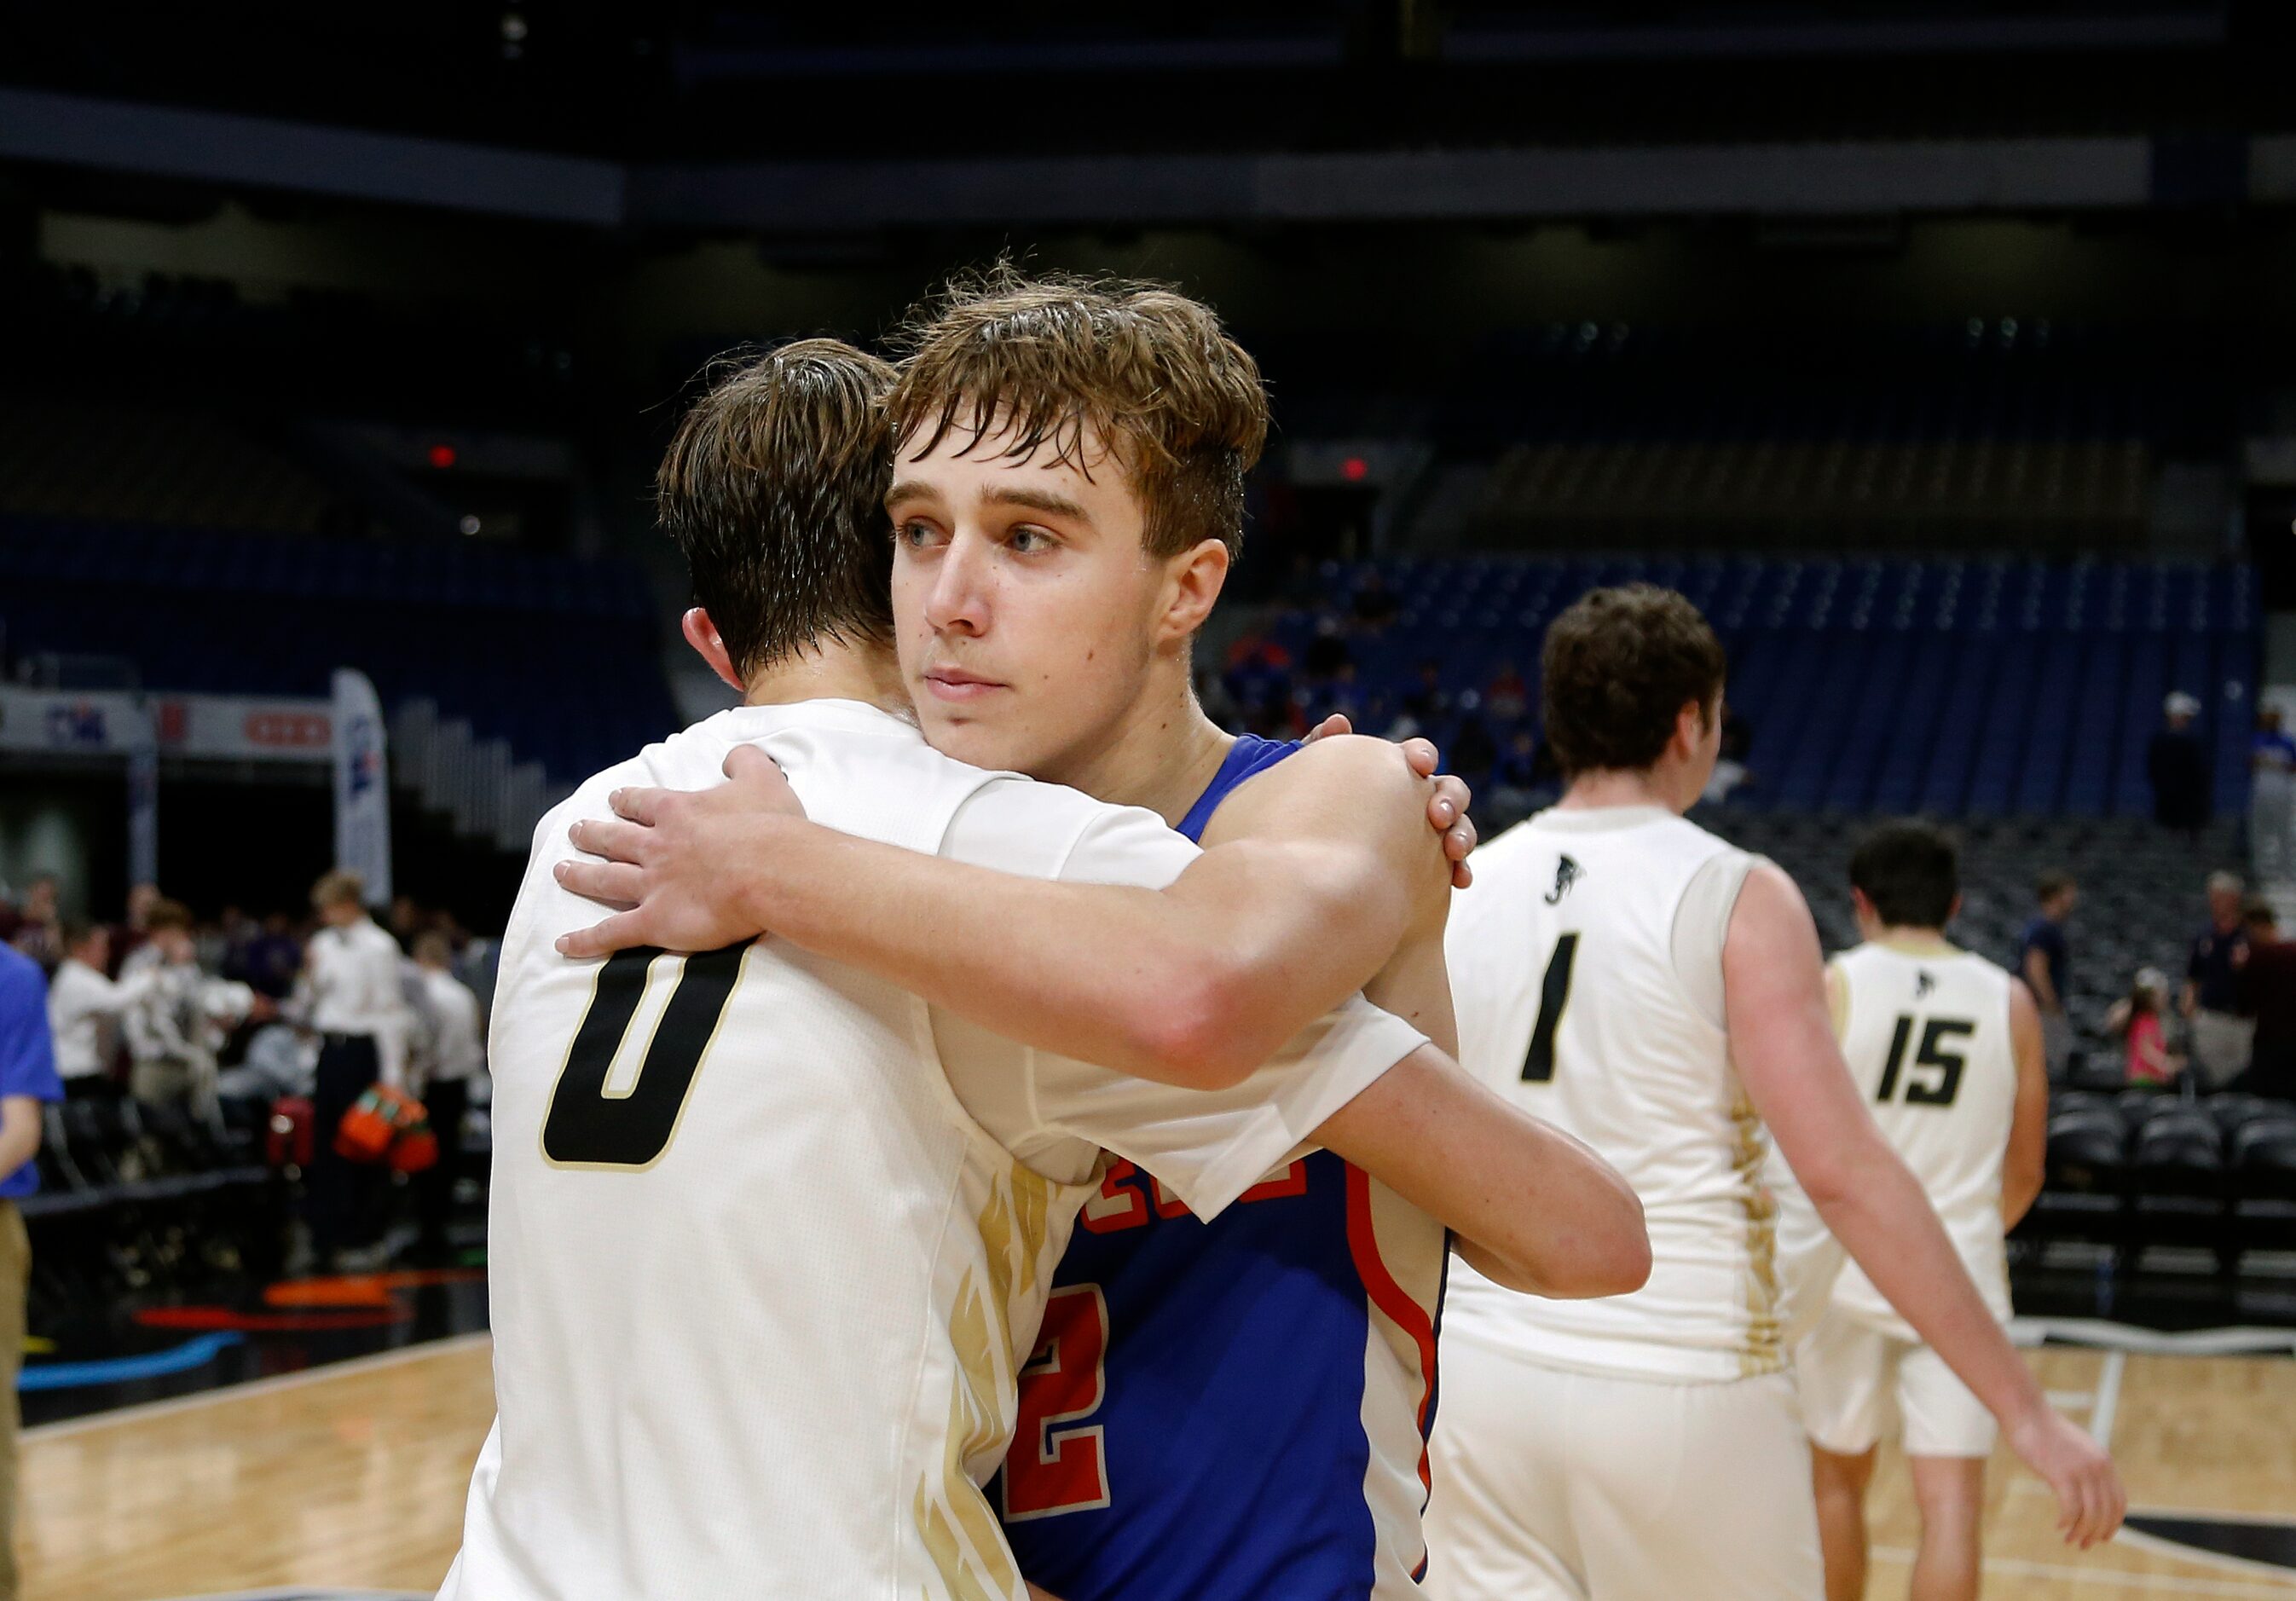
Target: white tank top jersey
point(1926, 1035)
point(1586, 970)
point(763, 1268)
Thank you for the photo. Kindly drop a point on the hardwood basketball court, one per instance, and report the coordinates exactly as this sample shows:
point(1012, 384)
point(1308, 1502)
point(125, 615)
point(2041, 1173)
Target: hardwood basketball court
point(352, 1477)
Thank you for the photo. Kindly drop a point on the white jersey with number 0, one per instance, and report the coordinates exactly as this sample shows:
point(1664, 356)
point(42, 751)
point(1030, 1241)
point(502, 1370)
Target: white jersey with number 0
point(763, 1265)
point(1586, 968)
point(1926, 1035)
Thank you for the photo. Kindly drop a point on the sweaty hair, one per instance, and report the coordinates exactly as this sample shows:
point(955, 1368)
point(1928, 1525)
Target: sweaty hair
point(1911, 872)
point(1619, 665)
point(774, 488)
point(1043, 361)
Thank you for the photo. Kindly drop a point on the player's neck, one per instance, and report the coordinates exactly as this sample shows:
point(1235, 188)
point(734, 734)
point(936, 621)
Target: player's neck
point(1614, 786)
point(866, 673)
point(1913, 941)
point(1162, 755)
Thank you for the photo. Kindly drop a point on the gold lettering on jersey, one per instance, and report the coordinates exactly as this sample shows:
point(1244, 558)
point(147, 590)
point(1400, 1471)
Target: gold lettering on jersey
point(1765, 1349)
point(959, 1530)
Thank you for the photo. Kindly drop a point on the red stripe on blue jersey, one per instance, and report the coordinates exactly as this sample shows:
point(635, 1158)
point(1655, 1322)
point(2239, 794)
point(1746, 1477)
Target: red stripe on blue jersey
point(1192, 1426)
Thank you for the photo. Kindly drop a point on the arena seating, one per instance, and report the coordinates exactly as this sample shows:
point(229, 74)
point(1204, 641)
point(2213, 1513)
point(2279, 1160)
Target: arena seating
point(552, 654)
point(150, 1197)
point(1944, 686)
point(2139, 1168)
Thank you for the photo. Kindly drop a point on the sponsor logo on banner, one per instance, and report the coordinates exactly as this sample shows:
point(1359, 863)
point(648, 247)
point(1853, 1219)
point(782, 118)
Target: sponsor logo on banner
point(289, 730)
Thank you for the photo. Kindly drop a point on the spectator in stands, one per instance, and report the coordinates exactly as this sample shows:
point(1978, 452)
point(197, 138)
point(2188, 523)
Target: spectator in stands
point(1327, 653)
point(351, 988)
point(2222, 1039)
point(273, 958)
point(2272, 799)
point(85, 1008)
point(128, 938)
point(163, 1025)
point(1472, 749)
point(455, 1054)
point(2045, 961)
point(1425, 703)
point(2178, 768)
point(28, 1078)
point(2136, 1018)
point(2271, 982)
point(1508, 697)
point(1376, 605)
point(39, 924)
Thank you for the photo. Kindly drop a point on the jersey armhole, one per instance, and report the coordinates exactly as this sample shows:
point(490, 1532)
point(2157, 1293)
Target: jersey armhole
point(1701, 928)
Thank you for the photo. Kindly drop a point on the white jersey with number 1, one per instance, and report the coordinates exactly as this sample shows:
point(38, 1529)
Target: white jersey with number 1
point(1587, 967)
point(765, 1258)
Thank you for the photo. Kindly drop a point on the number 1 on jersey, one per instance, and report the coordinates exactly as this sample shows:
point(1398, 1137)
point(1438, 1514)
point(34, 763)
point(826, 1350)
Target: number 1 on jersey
point(1554, 995)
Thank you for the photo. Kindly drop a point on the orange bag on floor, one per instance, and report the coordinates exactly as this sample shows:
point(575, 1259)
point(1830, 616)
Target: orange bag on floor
point(375, 1123)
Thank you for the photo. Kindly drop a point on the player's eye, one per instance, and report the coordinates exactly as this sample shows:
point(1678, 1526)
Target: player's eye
point(917, 534)
point(1029, 541)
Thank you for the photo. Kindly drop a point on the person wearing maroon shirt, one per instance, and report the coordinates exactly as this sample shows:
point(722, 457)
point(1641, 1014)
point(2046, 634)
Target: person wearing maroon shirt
point(2270, 980)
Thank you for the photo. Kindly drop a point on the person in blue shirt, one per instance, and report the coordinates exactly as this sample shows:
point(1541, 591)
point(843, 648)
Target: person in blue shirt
point(28, 1077)
point(2045, 961)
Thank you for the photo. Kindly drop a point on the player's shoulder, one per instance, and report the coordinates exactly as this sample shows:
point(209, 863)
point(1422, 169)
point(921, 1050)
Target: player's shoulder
point(1019, 824)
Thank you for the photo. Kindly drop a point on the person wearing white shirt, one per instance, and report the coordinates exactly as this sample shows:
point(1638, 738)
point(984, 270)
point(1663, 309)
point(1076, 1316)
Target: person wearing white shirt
point(351, 988)
point(84, 1007)
point(455, 1056)
point(168, 1055)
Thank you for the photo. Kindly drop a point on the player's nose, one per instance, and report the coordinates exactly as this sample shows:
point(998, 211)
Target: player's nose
point(957, 600)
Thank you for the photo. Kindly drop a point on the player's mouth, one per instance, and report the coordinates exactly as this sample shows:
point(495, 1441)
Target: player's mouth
point(956, 686)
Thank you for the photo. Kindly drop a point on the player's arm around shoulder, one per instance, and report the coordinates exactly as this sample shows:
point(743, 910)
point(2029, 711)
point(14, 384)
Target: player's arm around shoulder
point(1534, 1208)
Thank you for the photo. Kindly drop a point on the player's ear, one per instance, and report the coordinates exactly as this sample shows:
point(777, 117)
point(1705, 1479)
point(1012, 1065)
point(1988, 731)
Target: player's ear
point(702, 635)
point(1954, 910)
point(1193, 581)
point(1690, 725)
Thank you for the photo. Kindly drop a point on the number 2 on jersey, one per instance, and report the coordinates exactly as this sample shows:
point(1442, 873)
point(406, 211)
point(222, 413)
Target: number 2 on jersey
point(1949, 1065)
point(1554, 995)
point(1051, 1469)
point(589, 1127)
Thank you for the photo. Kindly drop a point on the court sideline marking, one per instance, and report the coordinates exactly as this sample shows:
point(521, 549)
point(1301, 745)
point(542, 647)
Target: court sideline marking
point(272, 1386)
point(2105, 1578)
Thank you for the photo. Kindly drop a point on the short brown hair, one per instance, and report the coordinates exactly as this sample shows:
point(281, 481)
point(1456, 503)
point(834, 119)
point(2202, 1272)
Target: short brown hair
point(1619, 665)
point(2050, 885)
point(337, 887)
point(166, 915)
point(774, 488)
point(1148, 370)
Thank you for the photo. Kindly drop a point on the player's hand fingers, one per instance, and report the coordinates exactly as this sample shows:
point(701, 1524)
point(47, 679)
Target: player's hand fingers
point(1450, 801)
point(617, 882)
point(616, 840)
point(1459, 839)
point(747, 763)
point(1335, 725)
point(639, 804)
point(1423, 756)
point(1462, 875)
point(620, 932)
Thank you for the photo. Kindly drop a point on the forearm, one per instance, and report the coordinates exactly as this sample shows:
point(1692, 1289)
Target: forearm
point(1195, 984)
point(2019, 1191)
point(1877, 1208)
point(20, 1132)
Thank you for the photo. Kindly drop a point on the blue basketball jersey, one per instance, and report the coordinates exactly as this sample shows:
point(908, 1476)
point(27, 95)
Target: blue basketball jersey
point(1238, 1410)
